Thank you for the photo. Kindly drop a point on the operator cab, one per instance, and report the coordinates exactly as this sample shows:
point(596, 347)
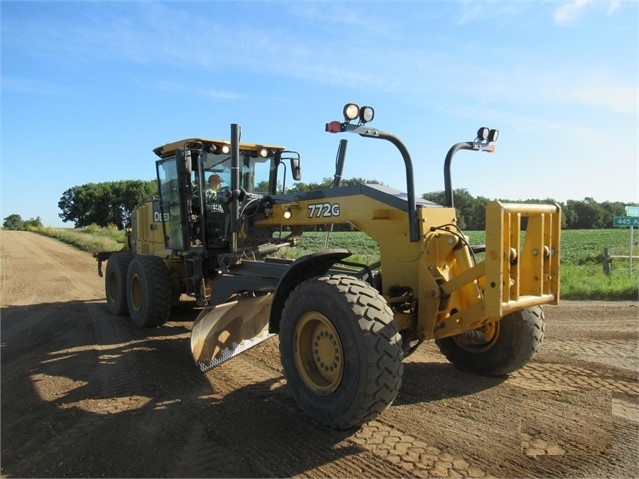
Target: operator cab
point(195, 183)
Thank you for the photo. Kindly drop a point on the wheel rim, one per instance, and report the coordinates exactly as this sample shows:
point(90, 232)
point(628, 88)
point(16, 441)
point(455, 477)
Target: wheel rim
point(136, 294)
point(479, 340)
point(318, 354)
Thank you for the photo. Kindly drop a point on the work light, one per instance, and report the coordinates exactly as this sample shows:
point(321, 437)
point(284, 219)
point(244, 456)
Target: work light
point(366, 114)
point(351, 111)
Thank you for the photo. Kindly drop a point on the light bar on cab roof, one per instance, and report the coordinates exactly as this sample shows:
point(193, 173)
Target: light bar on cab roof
point(220, 148)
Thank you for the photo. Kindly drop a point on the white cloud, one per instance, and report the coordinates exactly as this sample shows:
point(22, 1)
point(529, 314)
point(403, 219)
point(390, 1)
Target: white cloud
point(35, 87)
point(614, 5)
point(595, 90)
point(481, 10)
point(569, 12)
point(200, 91)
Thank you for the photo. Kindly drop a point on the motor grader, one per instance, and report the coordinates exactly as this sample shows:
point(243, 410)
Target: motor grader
point(344, 328)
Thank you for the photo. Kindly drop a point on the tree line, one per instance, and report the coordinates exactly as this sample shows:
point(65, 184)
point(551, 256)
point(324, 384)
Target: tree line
point(576, 214)
point(15, 222)
point(112, 203)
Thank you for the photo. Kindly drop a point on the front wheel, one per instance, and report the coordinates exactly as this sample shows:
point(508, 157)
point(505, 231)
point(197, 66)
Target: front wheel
point(148, 291)
point(499, 347)
point(340, 350)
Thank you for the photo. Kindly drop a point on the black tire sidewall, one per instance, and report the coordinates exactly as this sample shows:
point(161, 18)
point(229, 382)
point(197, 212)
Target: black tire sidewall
point(156, 291)
point(117, 269)
point(520, 336)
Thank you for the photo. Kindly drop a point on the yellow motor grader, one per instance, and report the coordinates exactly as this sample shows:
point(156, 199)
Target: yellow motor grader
point(344, 328)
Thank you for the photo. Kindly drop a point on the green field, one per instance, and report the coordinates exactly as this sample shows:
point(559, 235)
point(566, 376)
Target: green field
point(582, 274)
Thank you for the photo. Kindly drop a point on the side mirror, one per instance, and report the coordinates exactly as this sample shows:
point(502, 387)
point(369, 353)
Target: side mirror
point(296, 163)
point(183, 160)
point(296, 169)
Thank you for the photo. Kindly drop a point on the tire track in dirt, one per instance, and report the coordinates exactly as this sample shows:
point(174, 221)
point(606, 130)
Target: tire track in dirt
point(494, 437)
point(619, 353)
point(384, 448)
point(551, 376)
point(246, 388)
point(604, 426)
point(456, 413)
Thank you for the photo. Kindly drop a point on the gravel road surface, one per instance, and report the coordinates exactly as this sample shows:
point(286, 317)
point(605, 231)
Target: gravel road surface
point(86, 394)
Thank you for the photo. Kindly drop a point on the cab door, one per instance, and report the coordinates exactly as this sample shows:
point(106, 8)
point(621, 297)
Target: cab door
point(176, 195)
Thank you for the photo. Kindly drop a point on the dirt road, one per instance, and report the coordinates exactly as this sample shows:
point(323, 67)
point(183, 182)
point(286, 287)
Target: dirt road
point(86, 394)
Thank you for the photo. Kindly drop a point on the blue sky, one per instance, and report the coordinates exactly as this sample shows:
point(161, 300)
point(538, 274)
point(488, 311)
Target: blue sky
point(90, 88)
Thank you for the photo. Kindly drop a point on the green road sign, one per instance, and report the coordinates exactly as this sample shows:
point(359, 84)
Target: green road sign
point(632, 210)
point(626, 221)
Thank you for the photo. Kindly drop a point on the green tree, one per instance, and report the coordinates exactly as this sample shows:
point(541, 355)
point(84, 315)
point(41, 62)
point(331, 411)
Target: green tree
point(326, 183)
point(586, 214)
point(32, 223)
point(15, 222)
point(105, 203)
point(470, 211)
point(301, 186)
point(356, 181)
point(612, 209)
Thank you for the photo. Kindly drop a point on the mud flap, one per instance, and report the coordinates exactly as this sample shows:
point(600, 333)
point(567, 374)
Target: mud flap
point(228, 329)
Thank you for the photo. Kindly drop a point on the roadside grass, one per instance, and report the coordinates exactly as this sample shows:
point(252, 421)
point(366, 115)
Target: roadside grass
point(91, 239)
point(588, 281)
point(582, 276)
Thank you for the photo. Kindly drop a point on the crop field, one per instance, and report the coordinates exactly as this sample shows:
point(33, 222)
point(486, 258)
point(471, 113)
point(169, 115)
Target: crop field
point(582, 275)
point(578, 246)
point(582, 252)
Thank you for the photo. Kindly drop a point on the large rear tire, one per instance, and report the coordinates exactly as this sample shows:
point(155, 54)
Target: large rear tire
point(115, 283)
point(340, 349)
point(500, 347)
point(148, 291)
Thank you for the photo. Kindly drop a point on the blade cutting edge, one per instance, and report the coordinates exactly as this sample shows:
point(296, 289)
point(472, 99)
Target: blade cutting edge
point(223, 332)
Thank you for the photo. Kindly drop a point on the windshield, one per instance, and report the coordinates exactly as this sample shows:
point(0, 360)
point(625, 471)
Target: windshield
point(255, 172)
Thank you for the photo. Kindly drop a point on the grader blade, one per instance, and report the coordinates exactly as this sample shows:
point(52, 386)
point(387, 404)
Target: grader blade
point(228, 329)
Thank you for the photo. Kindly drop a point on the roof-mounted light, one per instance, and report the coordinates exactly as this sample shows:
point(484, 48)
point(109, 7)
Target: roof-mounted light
point(366, 114)
point(487, 134)
point(482, 134)
point(351, 111)
point(220, 148)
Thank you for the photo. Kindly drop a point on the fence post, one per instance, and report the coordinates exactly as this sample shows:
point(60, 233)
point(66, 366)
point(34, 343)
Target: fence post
point(630, 254)
point(607, 262)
